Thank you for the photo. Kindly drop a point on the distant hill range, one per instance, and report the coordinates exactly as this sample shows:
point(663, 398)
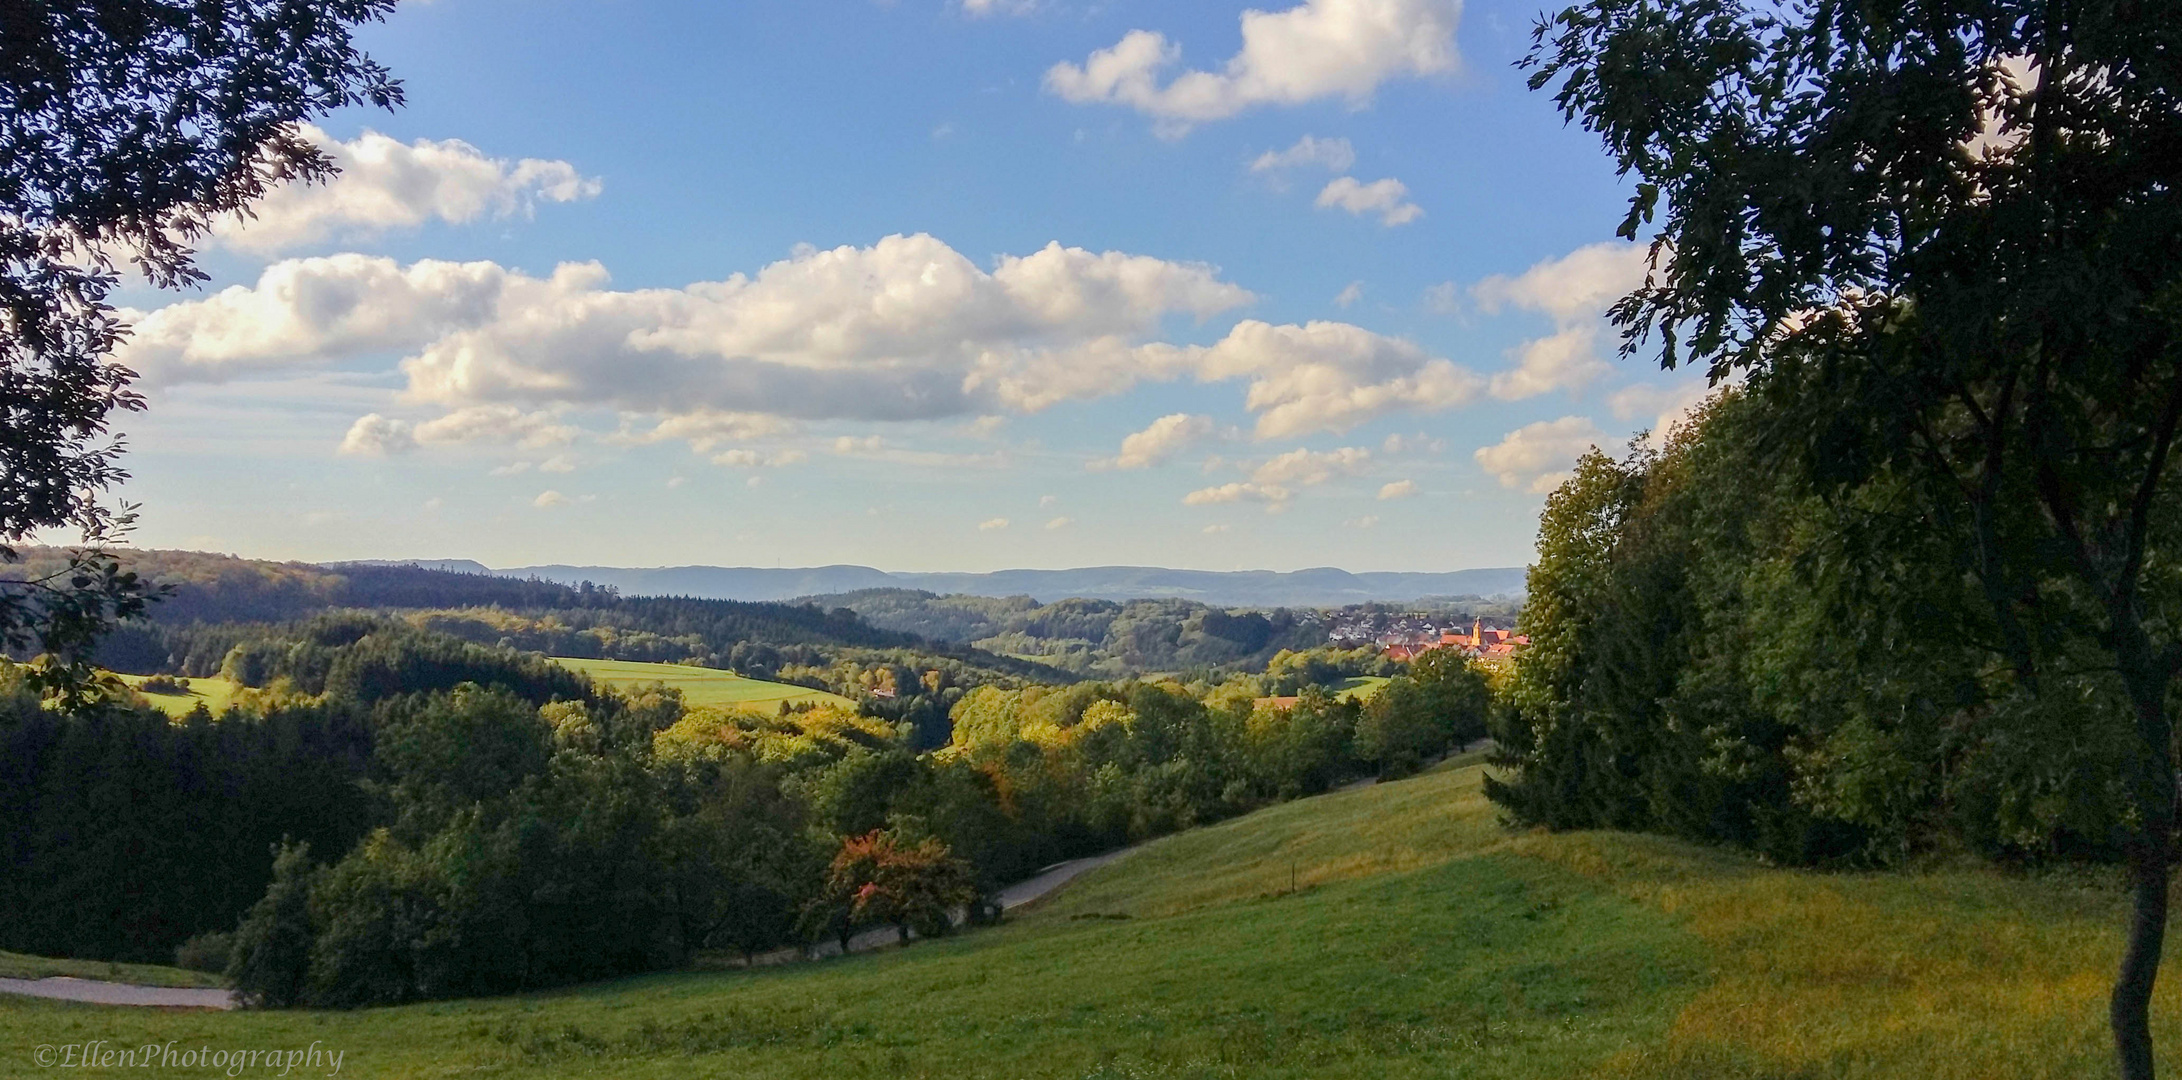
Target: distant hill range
point(1317, 587)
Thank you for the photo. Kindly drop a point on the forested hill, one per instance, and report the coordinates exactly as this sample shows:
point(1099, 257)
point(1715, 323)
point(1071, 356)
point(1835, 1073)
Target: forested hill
point(210, 588)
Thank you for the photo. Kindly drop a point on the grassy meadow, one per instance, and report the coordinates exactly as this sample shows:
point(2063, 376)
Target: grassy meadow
point(214, 692)
point(1389, 931)
point(699, 686)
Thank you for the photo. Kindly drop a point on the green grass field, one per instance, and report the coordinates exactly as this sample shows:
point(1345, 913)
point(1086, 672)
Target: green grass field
point(1389, 931)
point(212, 691)
point(699, 686)
point(1360, 687)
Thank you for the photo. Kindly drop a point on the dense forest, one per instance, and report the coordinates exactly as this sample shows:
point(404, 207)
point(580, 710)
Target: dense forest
point(1815, 678)
point(400, 814)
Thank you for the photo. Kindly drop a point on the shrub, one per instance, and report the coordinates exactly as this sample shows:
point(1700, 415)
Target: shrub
point(206, 952)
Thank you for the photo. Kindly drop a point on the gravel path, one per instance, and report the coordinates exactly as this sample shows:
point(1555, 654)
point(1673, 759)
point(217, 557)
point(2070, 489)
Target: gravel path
point(65, 988)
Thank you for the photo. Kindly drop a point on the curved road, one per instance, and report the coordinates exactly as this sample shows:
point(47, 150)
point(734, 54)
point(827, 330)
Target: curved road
point(168, 997)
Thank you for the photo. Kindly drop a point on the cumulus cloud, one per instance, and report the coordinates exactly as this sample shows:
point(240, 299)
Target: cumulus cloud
point(1214, 530)
point(1574, 291)
point(1537, 457)
point(374, 435)
point(1309, 468)
point(1164, 438)
point(1349, 294)
point(1048, 500)
point(548, 499)
point(387, 184)
point(1443, 299)
point(1238, 491)
point(906, 329)
point(1059, 523)
point(1388, 198)
point(1273, 482)
point(1334, 155)
point(1399, 489)
point(1331, 376)
point(992, 524)
point(1319, 49)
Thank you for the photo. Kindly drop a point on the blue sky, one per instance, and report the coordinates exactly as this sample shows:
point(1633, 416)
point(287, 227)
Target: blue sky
point(924, 285)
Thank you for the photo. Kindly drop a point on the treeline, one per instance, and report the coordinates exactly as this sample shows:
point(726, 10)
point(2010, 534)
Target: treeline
point(441, 818)
point(1096, 638)
point(1719, 652)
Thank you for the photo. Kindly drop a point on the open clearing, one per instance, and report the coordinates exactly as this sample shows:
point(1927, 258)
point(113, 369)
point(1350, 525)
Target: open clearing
point(1389, 931)
point(19, 966)
point(699, 686)
point(1360, 687)
point(214, 692)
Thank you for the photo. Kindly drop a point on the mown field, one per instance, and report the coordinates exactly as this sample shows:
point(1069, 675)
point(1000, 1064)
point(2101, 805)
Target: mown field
point(699, 686)
point(1389, 931)
point(214, 692)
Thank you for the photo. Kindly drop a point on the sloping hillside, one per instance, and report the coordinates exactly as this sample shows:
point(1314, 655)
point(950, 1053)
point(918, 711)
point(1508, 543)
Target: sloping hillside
point(1389, 931)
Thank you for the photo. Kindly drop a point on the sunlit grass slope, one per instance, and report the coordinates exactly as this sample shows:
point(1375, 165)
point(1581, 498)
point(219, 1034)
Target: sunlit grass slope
point(699, 686)
point(214, 692)
point(1393, 931)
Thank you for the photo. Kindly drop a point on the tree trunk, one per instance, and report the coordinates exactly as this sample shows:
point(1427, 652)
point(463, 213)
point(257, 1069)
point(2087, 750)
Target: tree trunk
point(2151, 854)
point(2131, 1008)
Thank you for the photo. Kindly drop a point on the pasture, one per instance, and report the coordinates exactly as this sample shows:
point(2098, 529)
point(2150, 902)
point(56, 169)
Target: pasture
point(699, 686)
point(214, 692)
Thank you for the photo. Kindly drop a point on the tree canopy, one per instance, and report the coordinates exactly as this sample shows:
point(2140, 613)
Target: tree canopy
point(1938, 238)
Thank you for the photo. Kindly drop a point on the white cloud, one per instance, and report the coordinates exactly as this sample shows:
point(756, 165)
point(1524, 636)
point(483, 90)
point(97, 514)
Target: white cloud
point(1576, 286)
point(1388, 198)
point(1164, 438)
point(1365, 522)
point(1309, 468)
point(496, 423)
point(558, 463)
point(707, 429)
point(1238, 492)
point(677, 481)
point(1059, 523)
point(1214, 530)
point(1045, 501)
point(1574, 291)
point(1319, 49)
point(1537, 456)
point(906, 329)
point(1399, 489)
point(992, 524)
point(1335, 155)
point(758, 459)
point(1567, 360)
point(1330, 376)
point(373, 435)
point(1443, 299)
point(982, 8)
point(387, 184)
point(1349, 294)
point(548, 499)
point(1273, 482)
point(858, 444)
